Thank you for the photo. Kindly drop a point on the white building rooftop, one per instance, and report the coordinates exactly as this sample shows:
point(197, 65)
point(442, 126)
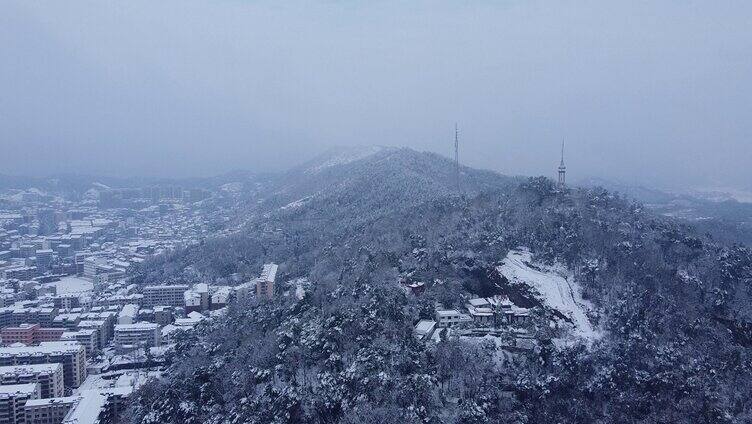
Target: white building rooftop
point(18, 389)
point(139, 326)
point(44, 348)
point(29, 369)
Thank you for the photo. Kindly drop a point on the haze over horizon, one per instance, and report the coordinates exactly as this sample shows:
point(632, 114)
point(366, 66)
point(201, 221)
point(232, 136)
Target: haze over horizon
point(655, 93)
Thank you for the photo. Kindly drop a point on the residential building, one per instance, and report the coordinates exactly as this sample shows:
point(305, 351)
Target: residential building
point(48, 376)
point(265, 283)
point(29, 334)
point(43, 260)
point(67, 302)
point(164, 295)
point(128, 314)
point(424, 329)
point(88, 337)
point(220, 297)
point(101, 406)
point(100, 329)
point(71, 355)
point(49, 411)
point(197, 299)
point(142, 334)
point(17, 316)
point(451, 317)
point(12, 400)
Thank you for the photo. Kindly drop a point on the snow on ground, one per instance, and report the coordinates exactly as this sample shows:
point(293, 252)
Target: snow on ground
point(347, 155)
point(94, 382)
point(296, 204)
point(557, 289)
point(129, 378)
point(72, 285)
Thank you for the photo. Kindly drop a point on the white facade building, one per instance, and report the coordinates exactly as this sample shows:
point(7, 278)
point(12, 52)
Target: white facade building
point(48, 376)
point(164, 295)
point(451, 317)
point(142, 334)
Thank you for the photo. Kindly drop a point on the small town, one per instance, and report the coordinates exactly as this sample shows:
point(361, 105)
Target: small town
point(77, 337)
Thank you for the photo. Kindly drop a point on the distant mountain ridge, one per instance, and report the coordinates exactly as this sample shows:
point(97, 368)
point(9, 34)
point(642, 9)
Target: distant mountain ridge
point(718, 213)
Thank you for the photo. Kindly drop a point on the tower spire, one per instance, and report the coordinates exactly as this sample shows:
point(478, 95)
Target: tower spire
point(457, 156)
point(562, 167)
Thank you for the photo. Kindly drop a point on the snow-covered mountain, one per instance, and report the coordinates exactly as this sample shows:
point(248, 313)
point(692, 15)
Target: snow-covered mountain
point(634, 316)
point(340, 156)
point(386, 177)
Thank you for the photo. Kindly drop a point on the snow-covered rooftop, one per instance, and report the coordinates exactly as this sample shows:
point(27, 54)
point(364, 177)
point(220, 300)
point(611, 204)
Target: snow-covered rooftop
point(18, 389)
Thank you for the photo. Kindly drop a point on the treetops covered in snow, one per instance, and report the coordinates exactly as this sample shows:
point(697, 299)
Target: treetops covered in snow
point(658, 315)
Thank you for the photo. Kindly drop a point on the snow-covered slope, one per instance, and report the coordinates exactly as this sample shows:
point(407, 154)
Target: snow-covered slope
point(555, 287)
point(375, 179)
point(341, 156)
point(296, 204)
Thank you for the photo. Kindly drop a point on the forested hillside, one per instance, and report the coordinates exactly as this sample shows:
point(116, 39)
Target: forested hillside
point(673, 306)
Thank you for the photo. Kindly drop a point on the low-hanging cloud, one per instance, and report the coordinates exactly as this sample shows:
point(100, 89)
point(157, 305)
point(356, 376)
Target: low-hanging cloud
point(642, 91)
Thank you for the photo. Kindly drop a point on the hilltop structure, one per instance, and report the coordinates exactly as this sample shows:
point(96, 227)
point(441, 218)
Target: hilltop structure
point(562, 168)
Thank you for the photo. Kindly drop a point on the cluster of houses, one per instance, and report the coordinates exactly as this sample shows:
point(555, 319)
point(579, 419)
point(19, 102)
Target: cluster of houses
point(482, 312)
point(52, 352)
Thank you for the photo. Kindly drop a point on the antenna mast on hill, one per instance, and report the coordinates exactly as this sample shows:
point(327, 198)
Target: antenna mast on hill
point(457, 156)
point(562, 167)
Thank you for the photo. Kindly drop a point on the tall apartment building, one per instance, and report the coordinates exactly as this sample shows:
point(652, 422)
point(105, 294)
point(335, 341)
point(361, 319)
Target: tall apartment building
point(265, 283)
point(71, 355)
point(197, 299)
point(128, 315)
point(20, 273)
point(14, 316)
point(88, 337)
point(101, 331)
point(64, 250)
point(44, 260)
point(94, 266)
point(29, 334)
point(143, 334)
point(107, 318)
point(67, 302)
point(12, 400)
point(163, 315)
point(48, 376)
point(101, 406)
point(220, 297)
point(67, 321)
point(49, 411)
point(164, 295)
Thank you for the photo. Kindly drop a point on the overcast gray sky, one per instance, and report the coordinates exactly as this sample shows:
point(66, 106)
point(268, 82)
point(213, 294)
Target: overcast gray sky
point(653, 91)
